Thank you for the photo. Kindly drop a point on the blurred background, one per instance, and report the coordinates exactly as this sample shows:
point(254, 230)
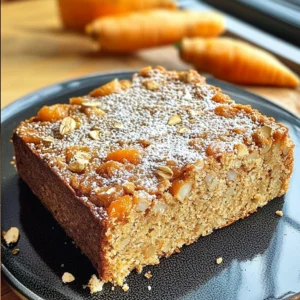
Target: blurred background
point(43, 41)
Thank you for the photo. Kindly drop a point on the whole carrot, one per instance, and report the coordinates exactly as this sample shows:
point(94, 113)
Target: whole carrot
point(76, 14)
point(153, 28)
point(237, 61)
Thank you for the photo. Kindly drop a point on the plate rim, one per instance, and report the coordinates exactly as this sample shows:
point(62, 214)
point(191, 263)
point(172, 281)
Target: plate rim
point(25, 102)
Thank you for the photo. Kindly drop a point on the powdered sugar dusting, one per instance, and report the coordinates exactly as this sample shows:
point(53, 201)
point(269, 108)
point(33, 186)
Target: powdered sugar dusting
point(142, 115)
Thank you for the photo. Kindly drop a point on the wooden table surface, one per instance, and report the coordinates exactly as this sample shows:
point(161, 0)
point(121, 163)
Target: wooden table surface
point(37, 52)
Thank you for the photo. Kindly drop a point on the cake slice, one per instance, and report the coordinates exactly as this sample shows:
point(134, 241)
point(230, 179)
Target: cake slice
point(136, 169)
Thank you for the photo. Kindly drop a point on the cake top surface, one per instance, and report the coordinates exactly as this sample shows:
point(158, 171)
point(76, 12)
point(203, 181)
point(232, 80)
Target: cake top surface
point(140, 132)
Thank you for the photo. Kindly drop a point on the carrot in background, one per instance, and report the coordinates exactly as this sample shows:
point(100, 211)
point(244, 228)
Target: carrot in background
point(237, 61)
point(76, 14)
point(153, 28)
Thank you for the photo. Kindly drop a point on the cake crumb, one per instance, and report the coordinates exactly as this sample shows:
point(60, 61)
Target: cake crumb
point(11, 236)
point(112, 288)
point(67, 277)
point(139, 269)
point(149, 288)
point(219, 260)
point(95, 285)
point(125, 287)
point(279, 213)
point(15, 251)
point(148, 275)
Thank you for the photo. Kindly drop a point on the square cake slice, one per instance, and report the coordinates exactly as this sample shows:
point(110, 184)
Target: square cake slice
point(137, 169)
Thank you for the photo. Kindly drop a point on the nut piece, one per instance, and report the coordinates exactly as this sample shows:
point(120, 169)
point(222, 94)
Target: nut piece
point(81, 159)
point(91, 103)
point(151, 85)
point(118, 125)
point(262, 136)
point(129, 187)
point(182, 129)
point(231, 175)
point(142, 200)
point(164, 172)
point(181, 189)
point(184, 191)
point(47, 140)
point(241, 149)
point(94, 134)
point(15, 251)
point(199, 164)
point(67, 277)
point(11, 236)
point(279, 213)
point(95, 285)
point(142, 204)
point(81, 155)
point(266, 131)
point(148, 275)
point(67, 125)
point(219, 260)
point(76, 100)
point(175, 119)
point(159, 206)
point(98, 111)
point(125, 287)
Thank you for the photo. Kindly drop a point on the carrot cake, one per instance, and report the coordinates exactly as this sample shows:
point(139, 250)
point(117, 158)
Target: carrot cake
point(137, 169)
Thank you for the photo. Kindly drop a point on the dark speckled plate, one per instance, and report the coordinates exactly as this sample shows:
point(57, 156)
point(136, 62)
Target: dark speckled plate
point(261, 254)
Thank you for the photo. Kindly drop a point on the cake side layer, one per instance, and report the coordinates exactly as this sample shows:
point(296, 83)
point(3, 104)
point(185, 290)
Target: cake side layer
point(83, 222)
point(222, 193)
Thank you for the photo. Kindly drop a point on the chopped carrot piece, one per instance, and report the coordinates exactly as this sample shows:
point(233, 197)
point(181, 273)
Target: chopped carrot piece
point(107, 89)
point(120, 207)
point(122, 155)
point(76, 100)
point(53, 113)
